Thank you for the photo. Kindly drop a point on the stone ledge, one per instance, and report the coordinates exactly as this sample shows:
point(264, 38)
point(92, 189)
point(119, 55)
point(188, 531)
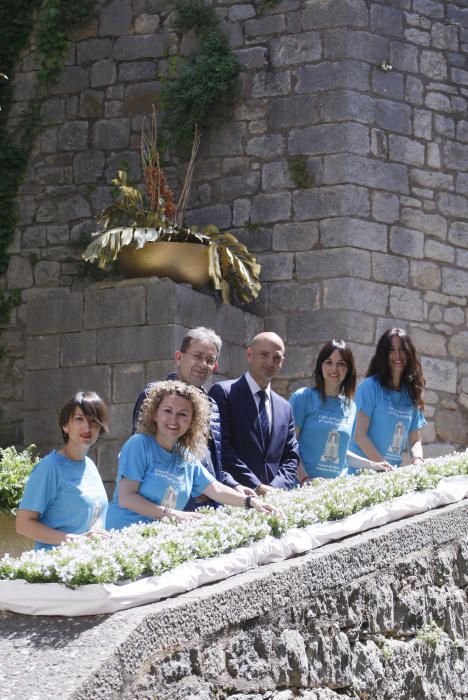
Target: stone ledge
point(90, 658)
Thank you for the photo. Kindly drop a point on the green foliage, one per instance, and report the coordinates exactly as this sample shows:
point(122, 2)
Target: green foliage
point(206, 84)
point(297, 166)
point(8, 301)
point(430, 634)
point(15, 468)
point(56, 18)
point(265, 5)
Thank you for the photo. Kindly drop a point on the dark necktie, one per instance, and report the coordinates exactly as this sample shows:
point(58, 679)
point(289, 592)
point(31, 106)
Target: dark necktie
point(263, 416)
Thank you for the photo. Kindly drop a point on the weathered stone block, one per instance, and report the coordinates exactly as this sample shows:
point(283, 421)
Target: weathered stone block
point(429, 178)
point(110, 134)
point(47, 273)
point(72, 80)
point(19, 273)
point(169, 302)
point(451, 426)
point(42, 352)
point(325, 202)
point(393, 116)
point(385, 207)
point(140, 98)
point(425, 275)
point(54, 386)
point(386, 20)
point(294, 236)
point(433, 65)
point(429, 343)
point(405, 150)
point(330, 263)
point(118, 306)
point(136, 71)
point(390, 85)
point(455, 156)
point(347, 74)
point(299, 48)
point(365, 171)
point(336, 13)
point(342, 294)
point(272, 24)
point(227, 140)
point(271, 83)
point(135, 344)
point(78, 349)
point(344, 231)
point(91, 104)
point(440, 375)
point(52, 313)
point(73, 208)
point(295, 297)
point(329, 138)
point(103, 73)
point(458, 233)
point(136, 46)
point(458, 345)
point(207, 215)
point(406, 303)
point(127, 382)
point(271, 207)
point(115, 19)
point(404, 57)
point(319, 326)
point(406, 241)
point(343, 43)
point(93, 50)
point(73, 136)
point(275, 176)
point(391, 269)
point(276, 266)
point(266, 146)
point(455, 282)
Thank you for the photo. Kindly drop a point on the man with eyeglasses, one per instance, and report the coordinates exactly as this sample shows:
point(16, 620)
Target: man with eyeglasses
point(196, 361)
point(259, 446)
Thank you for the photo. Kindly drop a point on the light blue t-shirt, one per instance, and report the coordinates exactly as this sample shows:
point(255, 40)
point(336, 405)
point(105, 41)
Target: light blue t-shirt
point(392, 417)
point(326, 427)
point(69, 495)
point(165, 478)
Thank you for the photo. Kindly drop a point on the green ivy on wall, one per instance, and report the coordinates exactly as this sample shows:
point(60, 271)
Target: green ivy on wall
point(54, 18)
point(205, 85)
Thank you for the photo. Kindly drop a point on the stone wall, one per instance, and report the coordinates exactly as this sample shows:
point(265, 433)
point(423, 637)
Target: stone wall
point(380, 237)
point(113, 338)
point(382, 616)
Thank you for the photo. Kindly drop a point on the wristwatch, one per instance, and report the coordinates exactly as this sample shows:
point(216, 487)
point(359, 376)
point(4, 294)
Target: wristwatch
point(247, 503)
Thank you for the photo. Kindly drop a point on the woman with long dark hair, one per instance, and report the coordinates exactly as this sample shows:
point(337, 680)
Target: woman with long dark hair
point(390, 402)
point(64, 497)
point(325, 414)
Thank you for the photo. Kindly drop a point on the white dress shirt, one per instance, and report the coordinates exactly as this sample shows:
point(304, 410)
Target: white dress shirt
point(254, 388)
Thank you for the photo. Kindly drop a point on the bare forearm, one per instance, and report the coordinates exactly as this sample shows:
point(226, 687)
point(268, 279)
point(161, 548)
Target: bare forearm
point(38, 531)
point(369, 449)
point(224, 494)
point(143, 506)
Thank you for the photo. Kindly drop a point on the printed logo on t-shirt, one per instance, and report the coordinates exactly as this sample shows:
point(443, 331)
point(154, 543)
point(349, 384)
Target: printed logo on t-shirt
point(331, 452)
point(396, 445)
point(95, 521)
point(170, 498)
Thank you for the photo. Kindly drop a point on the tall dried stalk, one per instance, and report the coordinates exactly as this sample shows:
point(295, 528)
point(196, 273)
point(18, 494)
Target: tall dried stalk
point(184, 195)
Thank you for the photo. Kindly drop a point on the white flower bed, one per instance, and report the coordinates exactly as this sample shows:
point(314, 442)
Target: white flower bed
point(151, 550)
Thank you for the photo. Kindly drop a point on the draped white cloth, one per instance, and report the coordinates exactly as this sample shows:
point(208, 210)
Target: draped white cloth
point(93, 599)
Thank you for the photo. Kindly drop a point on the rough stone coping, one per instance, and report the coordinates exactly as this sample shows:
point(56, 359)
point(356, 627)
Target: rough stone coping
point(89, 658)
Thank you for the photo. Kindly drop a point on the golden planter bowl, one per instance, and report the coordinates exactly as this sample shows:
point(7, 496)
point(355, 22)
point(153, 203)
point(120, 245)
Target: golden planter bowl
point(181, 262)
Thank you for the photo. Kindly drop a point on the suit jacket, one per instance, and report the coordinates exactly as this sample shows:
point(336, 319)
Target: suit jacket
point(243, 453)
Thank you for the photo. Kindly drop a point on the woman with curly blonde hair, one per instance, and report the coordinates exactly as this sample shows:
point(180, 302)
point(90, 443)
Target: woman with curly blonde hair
point(159, 469)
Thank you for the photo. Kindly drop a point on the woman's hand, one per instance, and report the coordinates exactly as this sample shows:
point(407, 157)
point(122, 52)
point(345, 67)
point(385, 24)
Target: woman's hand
point(263, 507)
point(71, 537)
point(181, 515)
point(381, 466)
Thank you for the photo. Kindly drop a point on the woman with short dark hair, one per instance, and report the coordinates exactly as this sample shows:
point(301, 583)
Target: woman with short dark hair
point(64, 497)
point(390, 402)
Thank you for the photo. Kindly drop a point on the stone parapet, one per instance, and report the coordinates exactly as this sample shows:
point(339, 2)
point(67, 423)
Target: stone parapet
point(379, 615)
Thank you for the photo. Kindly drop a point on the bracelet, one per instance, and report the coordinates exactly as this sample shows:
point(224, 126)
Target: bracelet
point(247, 502)
point(165, 512)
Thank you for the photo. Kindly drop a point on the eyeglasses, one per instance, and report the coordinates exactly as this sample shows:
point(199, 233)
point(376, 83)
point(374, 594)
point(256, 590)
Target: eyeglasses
point(200, 359)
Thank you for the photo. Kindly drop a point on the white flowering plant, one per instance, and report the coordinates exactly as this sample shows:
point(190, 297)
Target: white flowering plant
point(152, 549)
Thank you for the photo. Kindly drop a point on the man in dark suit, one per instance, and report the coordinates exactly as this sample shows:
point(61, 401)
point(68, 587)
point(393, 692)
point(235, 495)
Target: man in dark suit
point(259, 447)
